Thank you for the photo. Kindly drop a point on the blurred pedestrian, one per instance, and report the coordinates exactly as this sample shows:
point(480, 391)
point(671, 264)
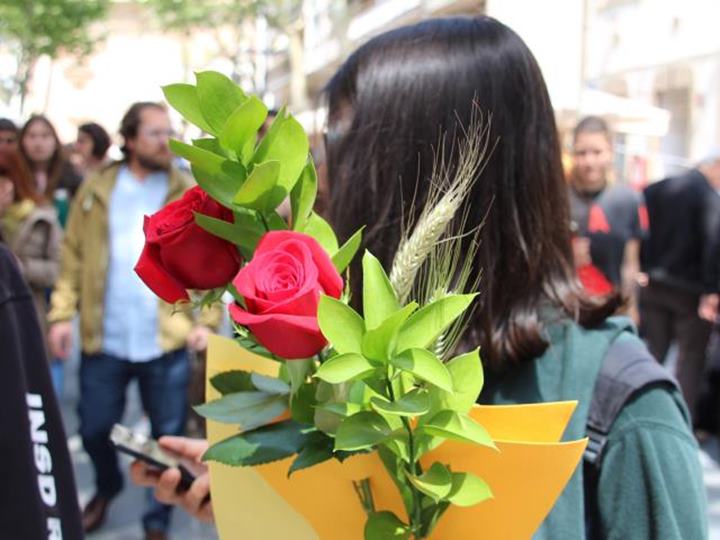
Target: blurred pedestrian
point(55, 177)
point(127, 333)
point(8, 134)
point(609, 219)
point(684, 213)
point(29, 226)
point(91, 148)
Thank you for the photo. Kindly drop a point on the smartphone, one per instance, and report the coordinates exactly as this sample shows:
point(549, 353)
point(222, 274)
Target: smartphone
point(148, 450)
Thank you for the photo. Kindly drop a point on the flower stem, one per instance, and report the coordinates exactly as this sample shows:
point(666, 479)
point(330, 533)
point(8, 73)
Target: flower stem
point(264, 221)
point(411, 468)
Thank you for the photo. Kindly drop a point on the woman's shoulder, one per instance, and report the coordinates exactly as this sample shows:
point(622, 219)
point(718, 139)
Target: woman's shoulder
point(655, 409)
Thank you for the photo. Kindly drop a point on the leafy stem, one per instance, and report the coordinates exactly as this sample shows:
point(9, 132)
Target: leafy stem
point(411, 467)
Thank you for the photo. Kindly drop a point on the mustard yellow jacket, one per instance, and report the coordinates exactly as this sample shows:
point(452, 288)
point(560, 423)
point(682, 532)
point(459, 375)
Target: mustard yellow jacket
point(84, 261)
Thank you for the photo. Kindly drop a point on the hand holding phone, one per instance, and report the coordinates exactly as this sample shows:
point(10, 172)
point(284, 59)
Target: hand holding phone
point(148, 451)
point(166, 484)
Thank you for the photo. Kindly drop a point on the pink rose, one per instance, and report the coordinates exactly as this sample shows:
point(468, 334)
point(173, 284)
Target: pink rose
point(281, 287)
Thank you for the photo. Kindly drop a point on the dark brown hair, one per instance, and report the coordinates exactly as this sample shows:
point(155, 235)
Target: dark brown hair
point(59, 166)
point(388, 104)
point(130, 123)
point(593, 124)
point(100, 138)
point(14, 167)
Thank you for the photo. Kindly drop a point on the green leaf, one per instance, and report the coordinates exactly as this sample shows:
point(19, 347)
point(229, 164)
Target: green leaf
point(317, 448)
point(362, 430)
point(435, 482)
point(345, 367)
point(341, 409)
point(184, 99)
point(341, 325)
point(209, 172)
point(243, 125)
point(249, 409)
point(229, 382)
point(467, 377)
point(345, 254)
point(287, 143)
point(321, 231)
point(327, 393)
point(232, 232)
point(379, 343)
point(218, 97)
point(459, 427)
point(303, 403)
point(468, 490)
point(424, 365)
point(247, 152)
point(275, 221)
point(260, 191)
point(271, 385)
point(385, 526)
point(211, 145)
point(302, 196)
point(414, 403)
point(430, 321)
point(298, 371)
point(379, 298)
point(252, 226)
point(259, 446)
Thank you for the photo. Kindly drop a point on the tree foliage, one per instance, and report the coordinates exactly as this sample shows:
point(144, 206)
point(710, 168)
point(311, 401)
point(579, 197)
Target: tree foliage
point(32, 28)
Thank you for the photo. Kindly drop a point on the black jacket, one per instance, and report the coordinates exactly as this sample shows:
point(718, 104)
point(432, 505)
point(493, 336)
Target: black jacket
point(684, 213)
point(37, 490)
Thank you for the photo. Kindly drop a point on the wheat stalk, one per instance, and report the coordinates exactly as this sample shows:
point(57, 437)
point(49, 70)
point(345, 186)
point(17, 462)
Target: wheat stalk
point(445, 198)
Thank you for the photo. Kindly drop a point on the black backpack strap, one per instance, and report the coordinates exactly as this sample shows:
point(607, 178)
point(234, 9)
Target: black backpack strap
point(628, 367)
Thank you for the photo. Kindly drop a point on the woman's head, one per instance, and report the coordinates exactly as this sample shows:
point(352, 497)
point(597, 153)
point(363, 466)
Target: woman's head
point(592, 154)
point(92, 142)
point(390, 103)
point(39, 142)
point(16, 177)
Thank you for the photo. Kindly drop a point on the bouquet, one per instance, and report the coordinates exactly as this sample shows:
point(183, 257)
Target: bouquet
point(346, 386)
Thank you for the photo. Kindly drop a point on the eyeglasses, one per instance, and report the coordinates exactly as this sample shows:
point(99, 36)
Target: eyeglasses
point(158, 134)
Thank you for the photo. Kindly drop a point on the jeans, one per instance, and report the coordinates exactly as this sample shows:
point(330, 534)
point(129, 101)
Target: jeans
point(57, 374)
point(163, 386)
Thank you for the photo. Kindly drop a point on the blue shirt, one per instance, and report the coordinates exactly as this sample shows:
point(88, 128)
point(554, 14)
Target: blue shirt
point(130, 322)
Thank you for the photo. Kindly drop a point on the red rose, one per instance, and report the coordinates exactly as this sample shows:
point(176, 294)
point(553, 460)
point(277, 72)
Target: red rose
point(281, 287)
point(180, 255)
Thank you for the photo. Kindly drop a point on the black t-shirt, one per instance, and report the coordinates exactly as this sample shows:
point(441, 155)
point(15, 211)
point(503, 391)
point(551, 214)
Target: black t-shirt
point(38, 498)
point(609, 219)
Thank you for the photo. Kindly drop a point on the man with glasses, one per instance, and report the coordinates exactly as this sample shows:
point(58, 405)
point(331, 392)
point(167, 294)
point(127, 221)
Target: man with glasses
point(126, 331)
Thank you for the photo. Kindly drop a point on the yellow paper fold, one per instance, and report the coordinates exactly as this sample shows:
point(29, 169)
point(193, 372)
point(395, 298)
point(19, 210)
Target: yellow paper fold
point(526, 475)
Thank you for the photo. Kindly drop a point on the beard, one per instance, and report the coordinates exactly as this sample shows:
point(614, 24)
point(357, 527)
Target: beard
point(155, 164)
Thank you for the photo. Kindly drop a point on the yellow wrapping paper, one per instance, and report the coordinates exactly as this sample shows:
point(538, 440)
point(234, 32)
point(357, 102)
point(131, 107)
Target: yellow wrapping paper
point(526, 476)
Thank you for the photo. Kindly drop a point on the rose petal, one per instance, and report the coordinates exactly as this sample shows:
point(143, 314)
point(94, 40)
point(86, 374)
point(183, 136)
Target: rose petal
point(199, 260)
point(328, 276)
point(149, 269)
point(288, 336)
